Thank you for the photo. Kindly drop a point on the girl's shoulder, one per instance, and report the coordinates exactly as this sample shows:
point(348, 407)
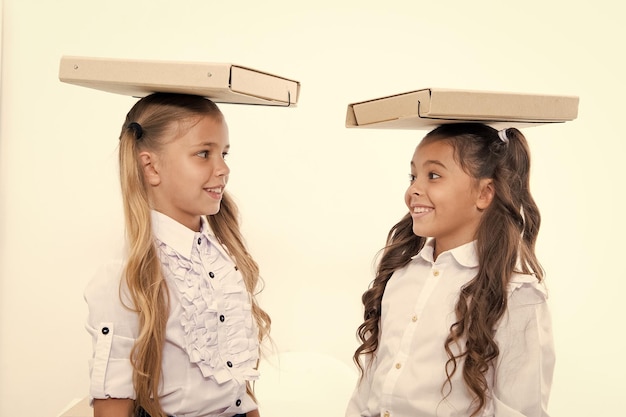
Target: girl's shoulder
point(105, 282)
point(107, 273)
point(524, 289)
point(109, 302)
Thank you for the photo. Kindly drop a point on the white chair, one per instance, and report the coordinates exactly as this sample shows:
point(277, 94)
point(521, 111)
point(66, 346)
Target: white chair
point(78, 408)
point(304, 384)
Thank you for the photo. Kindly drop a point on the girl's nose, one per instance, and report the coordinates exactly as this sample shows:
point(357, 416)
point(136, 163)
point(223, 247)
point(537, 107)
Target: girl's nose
point(414, 188)
point(222, 168)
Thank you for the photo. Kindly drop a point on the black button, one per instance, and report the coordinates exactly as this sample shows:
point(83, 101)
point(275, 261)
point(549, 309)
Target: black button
point(199, 240)
point(238, 403)
point(105, 330)
point(222, 318)
point(230, 364)
point(211, 274)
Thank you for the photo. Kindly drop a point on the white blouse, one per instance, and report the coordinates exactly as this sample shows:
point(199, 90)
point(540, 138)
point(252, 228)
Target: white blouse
point(408, 372)
point(211, 346)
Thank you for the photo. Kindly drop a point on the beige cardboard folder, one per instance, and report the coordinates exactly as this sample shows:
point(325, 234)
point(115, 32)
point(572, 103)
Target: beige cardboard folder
point(220, 82)
point(427, 108)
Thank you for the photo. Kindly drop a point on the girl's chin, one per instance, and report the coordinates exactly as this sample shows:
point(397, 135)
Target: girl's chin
point(419, 232)
point(213, 210)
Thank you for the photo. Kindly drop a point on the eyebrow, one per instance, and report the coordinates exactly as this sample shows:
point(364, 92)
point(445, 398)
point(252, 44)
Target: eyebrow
point(430, 162)
point(209, 145)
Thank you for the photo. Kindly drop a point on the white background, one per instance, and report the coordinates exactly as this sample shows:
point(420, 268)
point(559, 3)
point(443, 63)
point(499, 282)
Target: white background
point(317, 199)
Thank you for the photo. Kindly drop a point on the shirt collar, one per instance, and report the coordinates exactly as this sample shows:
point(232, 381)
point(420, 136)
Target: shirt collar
point(175, 235)
point(465, 254)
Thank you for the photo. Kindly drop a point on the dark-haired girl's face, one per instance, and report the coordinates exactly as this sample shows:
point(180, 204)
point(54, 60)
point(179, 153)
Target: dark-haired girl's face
point(444, 201)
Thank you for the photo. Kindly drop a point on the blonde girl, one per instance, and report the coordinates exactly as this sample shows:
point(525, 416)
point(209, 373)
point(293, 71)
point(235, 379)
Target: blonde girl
point(456, 321)
point(175, 325)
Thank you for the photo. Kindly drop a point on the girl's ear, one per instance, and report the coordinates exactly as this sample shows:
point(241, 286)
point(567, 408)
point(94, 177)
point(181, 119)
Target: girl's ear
point(148, 162)
point(486, 192)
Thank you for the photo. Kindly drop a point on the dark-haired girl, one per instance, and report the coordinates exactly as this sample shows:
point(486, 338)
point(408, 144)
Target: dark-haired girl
point(456, 321)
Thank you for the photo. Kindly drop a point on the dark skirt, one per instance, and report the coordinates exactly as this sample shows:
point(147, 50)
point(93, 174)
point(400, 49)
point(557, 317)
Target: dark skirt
point(142, 413)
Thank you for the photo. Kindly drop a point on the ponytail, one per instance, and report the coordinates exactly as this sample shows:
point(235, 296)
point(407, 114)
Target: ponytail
point(143, 277)
point(513, 219)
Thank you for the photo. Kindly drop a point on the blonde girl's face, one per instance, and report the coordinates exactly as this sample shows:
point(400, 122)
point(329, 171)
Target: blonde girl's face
point(187, 176)
point(444, 201)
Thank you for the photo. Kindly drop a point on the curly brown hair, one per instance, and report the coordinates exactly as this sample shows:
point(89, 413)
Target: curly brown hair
point(512, 217)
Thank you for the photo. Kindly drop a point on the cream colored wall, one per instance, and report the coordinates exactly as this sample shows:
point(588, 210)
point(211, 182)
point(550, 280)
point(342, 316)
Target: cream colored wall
point(317, 199)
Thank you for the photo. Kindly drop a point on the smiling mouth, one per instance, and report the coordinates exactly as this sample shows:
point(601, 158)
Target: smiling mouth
point(421, 210)
point(216, 190)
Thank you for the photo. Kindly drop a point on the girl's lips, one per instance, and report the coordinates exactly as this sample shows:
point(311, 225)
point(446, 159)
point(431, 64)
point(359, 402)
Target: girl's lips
point(419, 211)
point(215, 192)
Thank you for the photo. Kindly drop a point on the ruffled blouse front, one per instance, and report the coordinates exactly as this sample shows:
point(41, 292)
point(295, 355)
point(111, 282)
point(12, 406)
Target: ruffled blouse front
point(219, 333)
point(211, 342)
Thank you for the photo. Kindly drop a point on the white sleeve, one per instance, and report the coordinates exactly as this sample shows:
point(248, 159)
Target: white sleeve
point(113, 328)
point(523, 375)
point(357, 406)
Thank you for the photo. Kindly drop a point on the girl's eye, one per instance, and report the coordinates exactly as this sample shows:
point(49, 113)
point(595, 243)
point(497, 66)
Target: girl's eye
point(412, 177)
point(203, 154)
point(433, 176)
point(224, 155)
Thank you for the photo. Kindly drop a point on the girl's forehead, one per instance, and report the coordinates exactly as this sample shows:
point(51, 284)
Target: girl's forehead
point(433, 147)
point(195, 126)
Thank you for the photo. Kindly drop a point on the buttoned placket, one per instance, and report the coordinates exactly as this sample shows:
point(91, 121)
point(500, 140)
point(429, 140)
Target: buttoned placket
point(208, 252)
point(214, 283)
point(205, 247)
point(412, 325)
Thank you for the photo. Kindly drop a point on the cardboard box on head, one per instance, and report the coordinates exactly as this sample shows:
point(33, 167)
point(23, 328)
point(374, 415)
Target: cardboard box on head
point(430, 107)
point(219, 82)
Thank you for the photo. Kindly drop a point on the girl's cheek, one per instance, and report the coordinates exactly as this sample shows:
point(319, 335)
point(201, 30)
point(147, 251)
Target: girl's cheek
point(407, 197)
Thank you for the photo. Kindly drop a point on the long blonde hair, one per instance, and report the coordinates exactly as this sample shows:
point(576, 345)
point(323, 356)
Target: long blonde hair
point(148, 124)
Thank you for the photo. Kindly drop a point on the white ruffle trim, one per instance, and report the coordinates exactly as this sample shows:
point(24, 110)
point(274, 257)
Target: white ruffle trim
point(212, 344)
